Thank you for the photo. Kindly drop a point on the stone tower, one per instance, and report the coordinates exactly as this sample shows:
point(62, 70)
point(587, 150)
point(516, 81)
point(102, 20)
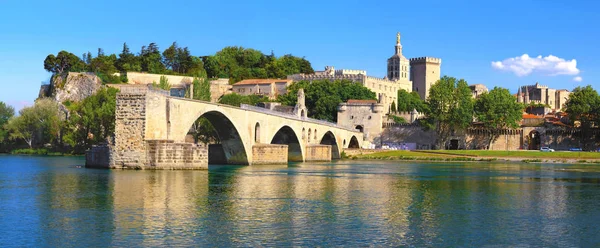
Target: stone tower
point(300, 110)
point(397, 65)
point(526, 95)
point(424, 72)
point(519, 95)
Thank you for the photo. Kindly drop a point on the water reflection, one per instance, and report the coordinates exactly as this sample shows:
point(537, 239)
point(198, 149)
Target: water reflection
point(327, 204)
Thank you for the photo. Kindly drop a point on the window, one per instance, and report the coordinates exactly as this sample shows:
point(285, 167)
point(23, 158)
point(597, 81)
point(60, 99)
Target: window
point(352, 117)
point(369, 117)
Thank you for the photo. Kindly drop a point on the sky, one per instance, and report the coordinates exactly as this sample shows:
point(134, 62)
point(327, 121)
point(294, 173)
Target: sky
point(495, 43)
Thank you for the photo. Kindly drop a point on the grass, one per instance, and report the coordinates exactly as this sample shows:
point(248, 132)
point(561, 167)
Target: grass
point(40, 151)
point(478, 155)
point(522, 154)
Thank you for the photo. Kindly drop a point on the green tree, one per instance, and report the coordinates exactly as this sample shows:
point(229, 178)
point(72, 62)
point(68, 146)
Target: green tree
point(127, 61)
point(323, 97)
point(37, 124)
point(407, 102)
point(393, 108)
point(237, 100)
point(6, 112)
point(63, 62)
point(163, 83)
point(151, 60)
point(450, 108)
point(92, 120)
point(583, 108)
point(498, 109)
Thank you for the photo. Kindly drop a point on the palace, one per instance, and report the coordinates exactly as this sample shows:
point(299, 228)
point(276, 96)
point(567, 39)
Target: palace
point(416, 74)
point(541, 94)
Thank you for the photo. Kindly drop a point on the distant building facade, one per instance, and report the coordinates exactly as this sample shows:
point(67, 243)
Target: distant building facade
point(422, 71)
point(478, 89)
point(270, 88)
point(541, 94)
point(218, 88)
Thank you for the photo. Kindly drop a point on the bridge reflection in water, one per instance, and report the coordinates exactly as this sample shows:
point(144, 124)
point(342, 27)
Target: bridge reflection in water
point(325, 204)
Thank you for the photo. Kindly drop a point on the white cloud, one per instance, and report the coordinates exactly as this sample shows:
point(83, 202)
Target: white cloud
point(577, 79)
point(550, 65)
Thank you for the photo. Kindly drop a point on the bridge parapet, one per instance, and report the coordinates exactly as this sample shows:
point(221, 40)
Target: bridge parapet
point(290, 116)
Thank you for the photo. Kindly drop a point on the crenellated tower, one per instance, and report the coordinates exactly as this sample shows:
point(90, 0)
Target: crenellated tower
point(424, 72)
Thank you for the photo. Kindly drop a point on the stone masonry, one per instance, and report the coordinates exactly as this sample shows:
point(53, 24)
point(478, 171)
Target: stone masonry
point(270, 154)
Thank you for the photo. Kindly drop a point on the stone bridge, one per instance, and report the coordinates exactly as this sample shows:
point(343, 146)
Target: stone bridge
point(151, 129)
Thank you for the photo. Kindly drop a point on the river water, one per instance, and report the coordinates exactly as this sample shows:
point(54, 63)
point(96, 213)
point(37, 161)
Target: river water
point(51, 202)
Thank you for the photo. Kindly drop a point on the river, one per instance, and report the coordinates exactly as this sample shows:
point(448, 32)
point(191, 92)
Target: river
point(52, 202)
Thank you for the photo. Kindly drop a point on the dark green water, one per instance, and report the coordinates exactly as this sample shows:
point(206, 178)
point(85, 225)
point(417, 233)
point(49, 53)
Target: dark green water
point(49, 202)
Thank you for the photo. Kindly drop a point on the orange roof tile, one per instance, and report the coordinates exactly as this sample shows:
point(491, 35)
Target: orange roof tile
point(262, 81)
point(530, 116)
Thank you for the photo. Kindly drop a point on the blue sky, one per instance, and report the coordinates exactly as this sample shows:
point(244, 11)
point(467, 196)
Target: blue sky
point(467, 35)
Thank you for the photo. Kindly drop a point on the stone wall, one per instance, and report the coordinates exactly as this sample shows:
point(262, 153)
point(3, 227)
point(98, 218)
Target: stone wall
point(97, 157)
point(318, 153)
point(505, 140)
point(167, 155)
point(129, 150)
point(270, 154)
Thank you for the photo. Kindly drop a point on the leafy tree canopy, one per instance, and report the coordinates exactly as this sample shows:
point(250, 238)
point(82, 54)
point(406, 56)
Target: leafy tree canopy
point(323, 97)
point(450, 107)
point(498, 109)
point(407, 102)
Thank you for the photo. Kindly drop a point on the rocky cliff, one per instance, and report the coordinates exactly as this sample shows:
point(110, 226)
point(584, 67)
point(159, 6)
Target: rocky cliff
point(73, 87)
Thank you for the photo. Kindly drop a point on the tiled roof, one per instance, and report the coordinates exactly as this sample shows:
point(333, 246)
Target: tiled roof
point(262, 81)
point(530, 116)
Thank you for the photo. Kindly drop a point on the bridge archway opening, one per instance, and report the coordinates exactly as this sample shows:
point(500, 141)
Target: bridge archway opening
point(353, 143)
point(329, 139)
point(286, 136)
point(224, 143)
point(257, 133)
point(360, 128)
point(534, 140)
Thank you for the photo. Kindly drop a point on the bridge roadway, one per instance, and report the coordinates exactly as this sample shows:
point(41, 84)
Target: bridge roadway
point(151, 129)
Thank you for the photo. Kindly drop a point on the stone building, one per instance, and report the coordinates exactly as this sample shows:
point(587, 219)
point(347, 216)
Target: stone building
point(478, 89)
point(416, 74)
point(366, 116)
point(270, 88)
point(541, 94)
point(218, 88)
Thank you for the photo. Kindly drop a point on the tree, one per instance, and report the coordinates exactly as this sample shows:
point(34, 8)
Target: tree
point(450, 108)
point(127, 61)
point(393, 107)
point(170, 56)
point(323, 96)
point(163, 83)
point(407, 102)
point(92, 120)
point(151, 60)
point(583, 107)
point(63, 62)
point(6, 112)
point(498, 109)
point(237, 100)
point(39, 123)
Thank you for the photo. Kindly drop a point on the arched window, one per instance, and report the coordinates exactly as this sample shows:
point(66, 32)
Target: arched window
point(303, 134)
point(315, 134)
point(309, 132)
point(257, 133)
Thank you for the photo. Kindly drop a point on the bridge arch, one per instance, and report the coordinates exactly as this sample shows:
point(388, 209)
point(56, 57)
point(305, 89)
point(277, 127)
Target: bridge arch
point(233, 147)
point(353, 142)
point(285, 135)
point(330, 139)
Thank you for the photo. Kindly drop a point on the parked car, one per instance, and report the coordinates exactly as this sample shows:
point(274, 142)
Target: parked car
point(575, 149)
point(546, 149)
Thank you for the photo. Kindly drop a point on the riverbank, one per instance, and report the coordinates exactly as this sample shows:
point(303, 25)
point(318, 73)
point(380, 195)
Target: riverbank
point(479, 155)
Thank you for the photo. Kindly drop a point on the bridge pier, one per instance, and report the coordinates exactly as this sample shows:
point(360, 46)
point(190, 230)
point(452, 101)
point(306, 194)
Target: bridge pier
point(320, 153)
